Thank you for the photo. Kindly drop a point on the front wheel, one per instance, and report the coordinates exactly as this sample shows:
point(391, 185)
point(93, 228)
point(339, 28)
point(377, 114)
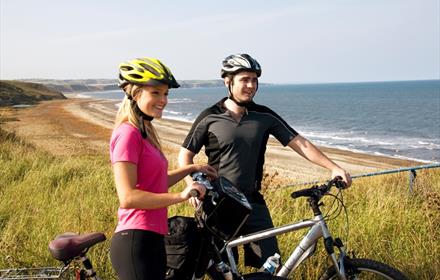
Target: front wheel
point(365, 269)
point(252, 276)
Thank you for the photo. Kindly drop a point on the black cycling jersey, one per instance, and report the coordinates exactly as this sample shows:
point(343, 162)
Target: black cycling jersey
point(236, 148)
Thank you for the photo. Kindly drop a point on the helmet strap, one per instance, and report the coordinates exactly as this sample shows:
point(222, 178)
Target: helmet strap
point(141, 117)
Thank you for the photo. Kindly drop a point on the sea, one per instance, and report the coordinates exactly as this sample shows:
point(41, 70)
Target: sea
point(398, 119)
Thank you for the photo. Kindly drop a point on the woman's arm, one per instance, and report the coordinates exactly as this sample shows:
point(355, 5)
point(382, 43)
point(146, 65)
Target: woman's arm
point(125, 174)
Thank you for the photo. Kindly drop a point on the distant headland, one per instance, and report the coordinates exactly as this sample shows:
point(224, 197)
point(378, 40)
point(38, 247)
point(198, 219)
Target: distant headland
point(86, 85)
point(31, 91)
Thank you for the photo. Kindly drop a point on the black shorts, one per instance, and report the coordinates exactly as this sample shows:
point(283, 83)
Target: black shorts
point(138, 255)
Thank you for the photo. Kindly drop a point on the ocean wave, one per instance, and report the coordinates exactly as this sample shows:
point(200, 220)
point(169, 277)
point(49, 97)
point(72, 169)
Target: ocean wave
point(180, 100)
point(177, 119)
point(353, 138)
point(414, 159)
point(377, 153)
point(177, 113)
point(408, 148)
point(326, 137)
point(80, 95)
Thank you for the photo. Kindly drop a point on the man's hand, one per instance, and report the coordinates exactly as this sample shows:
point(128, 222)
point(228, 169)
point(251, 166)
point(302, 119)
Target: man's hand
point(207, 169)
point(344, 174)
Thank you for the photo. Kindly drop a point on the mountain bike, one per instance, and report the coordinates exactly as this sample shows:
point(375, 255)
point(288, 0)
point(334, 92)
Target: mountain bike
point(218, 220)
point(69, 248)
point(225, 209)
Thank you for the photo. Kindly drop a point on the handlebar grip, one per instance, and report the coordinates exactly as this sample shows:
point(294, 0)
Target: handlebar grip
point(300, 193)
point(338, 183)
point(194, 193)
point(341, 185)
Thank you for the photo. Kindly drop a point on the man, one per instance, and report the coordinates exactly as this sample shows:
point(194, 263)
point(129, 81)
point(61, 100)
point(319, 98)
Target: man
point(235, 132)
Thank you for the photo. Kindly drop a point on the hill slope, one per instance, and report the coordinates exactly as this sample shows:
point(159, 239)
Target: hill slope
point(15, 93)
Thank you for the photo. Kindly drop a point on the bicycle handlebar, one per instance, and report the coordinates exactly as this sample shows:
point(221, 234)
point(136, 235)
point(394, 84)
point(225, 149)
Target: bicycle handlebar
point(318, 191)
point(194, 193)
point(202, 178)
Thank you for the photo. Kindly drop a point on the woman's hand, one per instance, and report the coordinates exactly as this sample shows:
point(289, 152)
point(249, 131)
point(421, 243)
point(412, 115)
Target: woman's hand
point(185, 194)
point(205, 168)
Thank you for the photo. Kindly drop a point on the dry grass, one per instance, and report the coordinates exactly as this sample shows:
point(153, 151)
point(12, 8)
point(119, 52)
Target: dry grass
point(43, 195)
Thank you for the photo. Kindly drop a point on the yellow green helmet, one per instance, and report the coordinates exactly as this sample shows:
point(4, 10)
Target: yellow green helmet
point(145, 71)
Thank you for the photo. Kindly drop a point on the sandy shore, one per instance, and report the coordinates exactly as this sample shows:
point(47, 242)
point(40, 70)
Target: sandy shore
point(83, 126)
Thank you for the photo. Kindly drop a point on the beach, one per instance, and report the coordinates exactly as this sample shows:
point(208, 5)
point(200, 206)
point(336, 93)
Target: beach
point(83, 126)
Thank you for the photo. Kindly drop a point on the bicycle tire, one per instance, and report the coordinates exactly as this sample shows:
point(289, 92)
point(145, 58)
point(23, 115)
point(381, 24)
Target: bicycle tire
point(366, 269)
point(251, 276)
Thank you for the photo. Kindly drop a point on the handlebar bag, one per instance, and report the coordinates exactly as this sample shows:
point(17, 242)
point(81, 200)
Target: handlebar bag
point(182, 244)
point(226, 210)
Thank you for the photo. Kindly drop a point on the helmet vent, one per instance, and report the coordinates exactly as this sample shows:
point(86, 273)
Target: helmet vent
point(135, 76)
point(126, 68)
point(150, 69)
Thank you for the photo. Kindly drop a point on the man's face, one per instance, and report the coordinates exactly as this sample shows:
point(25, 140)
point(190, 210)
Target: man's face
point(244, 86)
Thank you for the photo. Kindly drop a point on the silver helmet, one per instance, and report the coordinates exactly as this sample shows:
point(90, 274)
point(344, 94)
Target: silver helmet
point(240, 62)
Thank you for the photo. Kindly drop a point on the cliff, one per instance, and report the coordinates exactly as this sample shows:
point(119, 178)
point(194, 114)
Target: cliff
point(17, 92)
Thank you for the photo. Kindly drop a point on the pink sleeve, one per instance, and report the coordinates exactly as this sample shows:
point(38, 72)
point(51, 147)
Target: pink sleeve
point(126, 145)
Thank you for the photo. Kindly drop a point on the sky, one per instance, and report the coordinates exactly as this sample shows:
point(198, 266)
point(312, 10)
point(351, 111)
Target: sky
point(296, 41)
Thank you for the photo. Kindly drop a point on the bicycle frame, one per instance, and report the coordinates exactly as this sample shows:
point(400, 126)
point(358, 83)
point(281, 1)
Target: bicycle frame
point(318, 228)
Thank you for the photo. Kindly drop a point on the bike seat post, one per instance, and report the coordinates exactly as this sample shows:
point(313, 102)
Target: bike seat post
point(87, 266)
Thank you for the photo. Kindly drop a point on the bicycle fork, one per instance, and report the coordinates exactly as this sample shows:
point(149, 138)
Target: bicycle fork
point(330, 244)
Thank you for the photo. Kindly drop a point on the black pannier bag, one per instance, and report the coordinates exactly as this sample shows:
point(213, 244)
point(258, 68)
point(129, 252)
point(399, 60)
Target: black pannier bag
point(182, 245)
point(227, 211)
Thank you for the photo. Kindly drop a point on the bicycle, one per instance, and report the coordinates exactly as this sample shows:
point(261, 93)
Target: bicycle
point(69, 248)
point(213, 227)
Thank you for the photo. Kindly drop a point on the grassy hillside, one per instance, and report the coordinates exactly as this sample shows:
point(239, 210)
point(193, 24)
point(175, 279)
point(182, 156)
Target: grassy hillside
point(44, 195)
point(16, 92)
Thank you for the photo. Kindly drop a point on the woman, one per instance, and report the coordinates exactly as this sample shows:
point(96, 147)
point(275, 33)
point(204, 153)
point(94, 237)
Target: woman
point(141, 172)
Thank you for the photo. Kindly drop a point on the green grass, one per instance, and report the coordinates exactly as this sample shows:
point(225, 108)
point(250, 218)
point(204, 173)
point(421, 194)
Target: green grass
point(43, 195)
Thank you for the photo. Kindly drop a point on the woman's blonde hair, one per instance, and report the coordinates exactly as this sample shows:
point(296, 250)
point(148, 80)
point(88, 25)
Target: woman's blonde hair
point(126, 113)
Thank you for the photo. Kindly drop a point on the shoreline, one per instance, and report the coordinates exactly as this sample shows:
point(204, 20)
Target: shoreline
point(339, 146)
point(84, 125)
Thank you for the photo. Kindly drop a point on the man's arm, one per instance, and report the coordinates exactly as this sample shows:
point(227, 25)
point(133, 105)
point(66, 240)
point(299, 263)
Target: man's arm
point(310, 152)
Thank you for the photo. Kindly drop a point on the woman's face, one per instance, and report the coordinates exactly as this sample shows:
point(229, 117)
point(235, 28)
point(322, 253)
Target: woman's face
point(152, 99)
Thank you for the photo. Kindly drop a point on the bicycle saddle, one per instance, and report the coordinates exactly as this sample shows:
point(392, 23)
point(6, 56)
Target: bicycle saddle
point(69, 245)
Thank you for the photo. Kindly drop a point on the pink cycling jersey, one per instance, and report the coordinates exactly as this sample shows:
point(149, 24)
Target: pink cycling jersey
point(127, 144)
